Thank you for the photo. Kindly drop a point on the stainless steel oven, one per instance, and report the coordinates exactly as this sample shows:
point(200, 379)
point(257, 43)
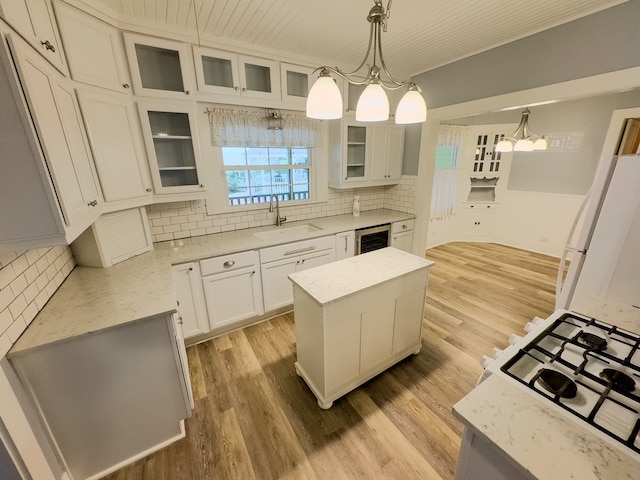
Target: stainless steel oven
point(372, 238)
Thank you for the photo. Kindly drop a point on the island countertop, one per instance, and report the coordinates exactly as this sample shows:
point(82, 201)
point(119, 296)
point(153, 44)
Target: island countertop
point(337, 280)
point(92, 299)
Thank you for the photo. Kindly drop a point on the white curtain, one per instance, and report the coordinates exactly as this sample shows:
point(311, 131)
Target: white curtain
point(445, 180)
point(243, 128)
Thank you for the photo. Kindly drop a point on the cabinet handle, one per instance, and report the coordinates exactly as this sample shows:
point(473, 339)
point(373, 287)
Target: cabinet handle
point(236, 88)
point(253, 272)
point(228, 264)
point(48, 46)
point(345, 244)
point(202, 185)
point(147, 189)
point(191, 269)
point(93, 203)
point(404, 225)
point(188, 92)
point(178, 302)
point(301, 261)
point(180, 321)
point(244, 89)
point(300, 250)
point(125, 85)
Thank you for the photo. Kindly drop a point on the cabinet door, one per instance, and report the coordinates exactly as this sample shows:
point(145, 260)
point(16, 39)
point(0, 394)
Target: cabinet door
point(170, 137)
point(386, 152)
point(376, 343)
point(355, 153)
point(345, 245)
point(407, 330)
point(342, 355)
point(216, 71)
point(190, 295)
point(402, 240)
point(159, 68)
point(477, 221)
point(94, 49)
point(34, 21)
point(276, 287)
point(55, 116)
point(259, 77)
point(233, 296)
point(295, 83)
point(116, 141)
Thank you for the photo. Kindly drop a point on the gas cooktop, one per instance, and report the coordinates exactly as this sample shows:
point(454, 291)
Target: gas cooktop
point(589, 369)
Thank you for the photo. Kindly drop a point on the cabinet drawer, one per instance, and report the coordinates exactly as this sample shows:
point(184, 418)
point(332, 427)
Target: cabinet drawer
point(294, 249)
point(227, 263)
point(405, 225)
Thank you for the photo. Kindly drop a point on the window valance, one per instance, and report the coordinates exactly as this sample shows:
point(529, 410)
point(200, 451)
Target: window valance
point(243, 128)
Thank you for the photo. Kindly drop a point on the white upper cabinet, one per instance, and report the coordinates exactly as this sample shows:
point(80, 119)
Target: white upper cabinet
point(170, 136)
point(387, 150)
point(116, 141)
point(34, 21)
point(57, 120)
point(296, 81)
point(159, 68)
point(364, 154)
point(226, 73)
point(94, 49)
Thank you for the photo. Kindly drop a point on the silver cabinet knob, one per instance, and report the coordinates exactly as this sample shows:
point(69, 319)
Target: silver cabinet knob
point(147, 189)
point(228, 264)
point(93, 203)
point(202, 185)
point(125, 85)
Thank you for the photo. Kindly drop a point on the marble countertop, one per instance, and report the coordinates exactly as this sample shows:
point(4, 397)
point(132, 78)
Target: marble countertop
point(538, 438)
point(337, 280)
point(92, 299)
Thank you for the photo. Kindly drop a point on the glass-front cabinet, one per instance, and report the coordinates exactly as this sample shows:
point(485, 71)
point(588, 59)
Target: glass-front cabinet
point(296, 81)
point(356, 153)
point(172, 147)
point(227, 73)
point(159, 68)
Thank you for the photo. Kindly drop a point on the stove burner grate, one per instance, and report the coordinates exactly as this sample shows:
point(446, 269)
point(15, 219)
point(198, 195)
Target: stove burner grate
point(620, 381)
point(592, 341)
point(557, 383)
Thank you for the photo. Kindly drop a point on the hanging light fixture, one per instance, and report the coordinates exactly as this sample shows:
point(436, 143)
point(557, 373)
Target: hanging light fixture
point(523, 139)
point(325, 102)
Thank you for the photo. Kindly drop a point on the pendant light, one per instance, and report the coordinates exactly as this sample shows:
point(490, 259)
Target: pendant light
point(325, 102)
point(523, 139)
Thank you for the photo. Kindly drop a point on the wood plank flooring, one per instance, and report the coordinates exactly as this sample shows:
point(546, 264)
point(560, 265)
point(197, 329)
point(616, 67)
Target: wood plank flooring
point(256, 419)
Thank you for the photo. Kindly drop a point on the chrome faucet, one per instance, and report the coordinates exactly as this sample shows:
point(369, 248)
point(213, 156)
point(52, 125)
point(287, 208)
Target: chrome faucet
point(279, 220)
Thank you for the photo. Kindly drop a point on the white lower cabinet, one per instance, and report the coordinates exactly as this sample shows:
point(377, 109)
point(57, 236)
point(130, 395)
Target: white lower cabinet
point(232, 288)
point(192, 310)
point(278, 262)
point(112, 396)
point(402, 235)
point(345, 244)
point(477, 221)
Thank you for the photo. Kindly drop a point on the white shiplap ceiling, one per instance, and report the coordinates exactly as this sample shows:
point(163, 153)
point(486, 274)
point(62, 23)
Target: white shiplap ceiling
point(422, 34)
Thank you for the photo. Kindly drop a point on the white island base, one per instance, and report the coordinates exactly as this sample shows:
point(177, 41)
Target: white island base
point(357, 317)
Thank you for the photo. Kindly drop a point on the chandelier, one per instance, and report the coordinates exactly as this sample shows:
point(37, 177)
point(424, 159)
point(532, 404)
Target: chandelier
point(523, 139)
point(325, 101)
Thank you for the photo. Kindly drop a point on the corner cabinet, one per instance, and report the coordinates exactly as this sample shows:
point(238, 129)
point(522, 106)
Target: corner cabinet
point(54, 111)
point(169, 131)
point(364, 154)
point(159, 68)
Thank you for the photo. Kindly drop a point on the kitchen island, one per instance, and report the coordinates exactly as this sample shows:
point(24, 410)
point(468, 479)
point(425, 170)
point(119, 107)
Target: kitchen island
point(357, 317)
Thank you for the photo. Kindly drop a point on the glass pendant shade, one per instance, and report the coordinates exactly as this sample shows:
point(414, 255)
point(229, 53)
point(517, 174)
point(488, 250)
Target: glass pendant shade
point(324, 101)
point(523, 145)
point(373, 105)
point(540, 144)
point(411, 109)
point(504, 146)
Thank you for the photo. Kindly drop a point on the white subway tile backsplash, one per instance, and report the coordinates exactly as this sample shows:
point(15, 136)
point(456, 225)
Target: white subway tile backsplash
point(27, 281)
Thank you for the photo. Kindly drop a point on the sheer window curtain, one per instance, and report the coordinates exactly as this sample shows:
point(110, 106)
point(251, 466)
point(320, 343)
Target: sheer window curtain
point(445, 178)
point(244, 128)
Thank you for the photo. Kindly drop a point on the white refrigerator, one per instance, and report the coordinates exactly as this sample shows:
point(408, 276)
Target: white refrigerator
point(604, 255)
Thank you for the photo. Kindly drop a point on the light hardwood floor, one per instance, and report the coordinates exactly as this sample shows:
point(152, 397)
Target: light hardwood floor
point(256, 419)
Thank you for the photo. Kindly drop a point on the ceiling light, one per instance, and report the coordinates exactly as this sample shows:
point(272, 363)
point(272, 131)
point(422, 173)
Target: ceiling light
point(325, 102)
point(523, 139)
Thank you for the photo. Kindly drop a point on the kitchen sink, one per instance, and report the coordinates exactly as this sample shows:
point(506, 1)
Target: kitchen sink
point(280, 233)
